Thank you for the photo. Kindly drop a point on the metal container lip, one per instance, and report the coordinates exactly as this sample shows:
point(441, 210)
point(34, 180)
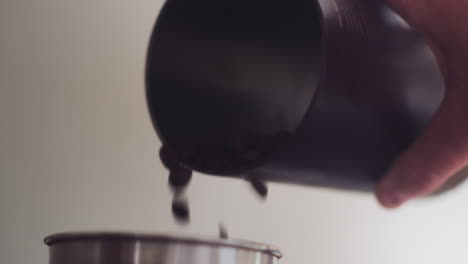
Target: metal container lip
point(163, 237)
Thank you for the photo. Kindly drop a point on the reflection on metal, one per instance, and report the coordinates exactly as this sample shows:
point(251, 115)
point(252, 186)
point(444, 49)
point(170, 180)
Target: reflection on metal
point(129, 248)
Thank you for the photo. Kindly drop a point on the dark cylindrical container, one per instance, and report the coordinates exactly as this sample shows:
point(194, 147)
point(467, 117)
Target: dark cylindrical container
point(323, 93)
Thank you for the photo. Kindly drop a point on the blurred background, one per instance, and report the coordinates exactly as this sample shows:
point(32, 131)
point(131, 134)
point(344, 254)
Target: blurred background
point(78, 152)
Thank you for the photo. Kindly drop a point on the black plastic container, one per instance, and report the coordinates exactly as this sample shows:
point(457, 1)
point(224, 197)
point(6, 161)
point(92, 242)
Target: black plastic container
point(315, 93)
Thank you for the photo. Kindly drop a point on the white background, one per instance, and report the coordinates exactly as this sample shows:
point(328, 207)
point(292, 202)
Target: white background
point(78, 152)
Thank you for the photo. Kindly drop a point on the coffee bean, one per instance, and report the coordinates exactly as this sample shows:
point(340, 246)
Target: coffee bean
point(179, 177)
point(180, 210)
point(223, 234)
point(168, 157)
point(259, 186)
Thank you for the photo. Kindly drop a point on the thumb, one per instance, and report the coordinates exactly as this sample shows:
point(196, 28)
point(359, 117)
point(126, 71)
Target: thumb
point(440, 152)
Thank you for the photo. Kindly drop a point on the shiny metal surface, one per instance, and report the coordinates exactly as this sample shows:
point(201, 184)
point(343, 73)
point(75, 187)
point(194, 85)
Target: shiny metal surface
point(130, 248)
point(323, 93)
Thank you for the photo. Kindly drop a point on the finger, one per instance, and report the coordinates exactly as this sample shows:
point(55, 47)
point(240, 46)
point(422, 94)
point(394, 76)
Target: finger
point(439, 153)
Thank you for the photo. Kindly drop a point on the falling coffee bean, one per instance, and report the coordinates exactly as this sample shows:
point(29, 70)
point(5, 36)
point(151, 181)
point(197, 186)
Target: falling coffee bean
point(223, 234)
point(179, 177)
point(180, 210)
point(259, 186)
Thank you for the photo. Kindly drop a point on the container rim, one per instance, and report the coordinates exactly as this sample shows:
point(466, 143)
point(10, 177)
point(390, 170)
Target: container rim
point(162, 237)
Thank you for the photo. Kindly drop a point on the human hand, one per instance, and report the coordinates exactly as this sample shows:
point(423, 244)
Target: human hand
point(442, 149)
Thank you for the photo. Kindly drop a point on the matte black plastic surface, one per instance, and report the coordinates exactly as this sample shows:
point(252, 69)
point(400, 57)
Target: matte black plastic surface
point(297, 92)
point(229, 81)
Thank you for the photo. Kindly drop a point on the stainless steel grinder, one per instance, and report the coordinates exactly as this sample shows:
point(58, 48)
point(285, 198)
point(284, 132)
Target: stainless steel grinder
point(130, 248)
